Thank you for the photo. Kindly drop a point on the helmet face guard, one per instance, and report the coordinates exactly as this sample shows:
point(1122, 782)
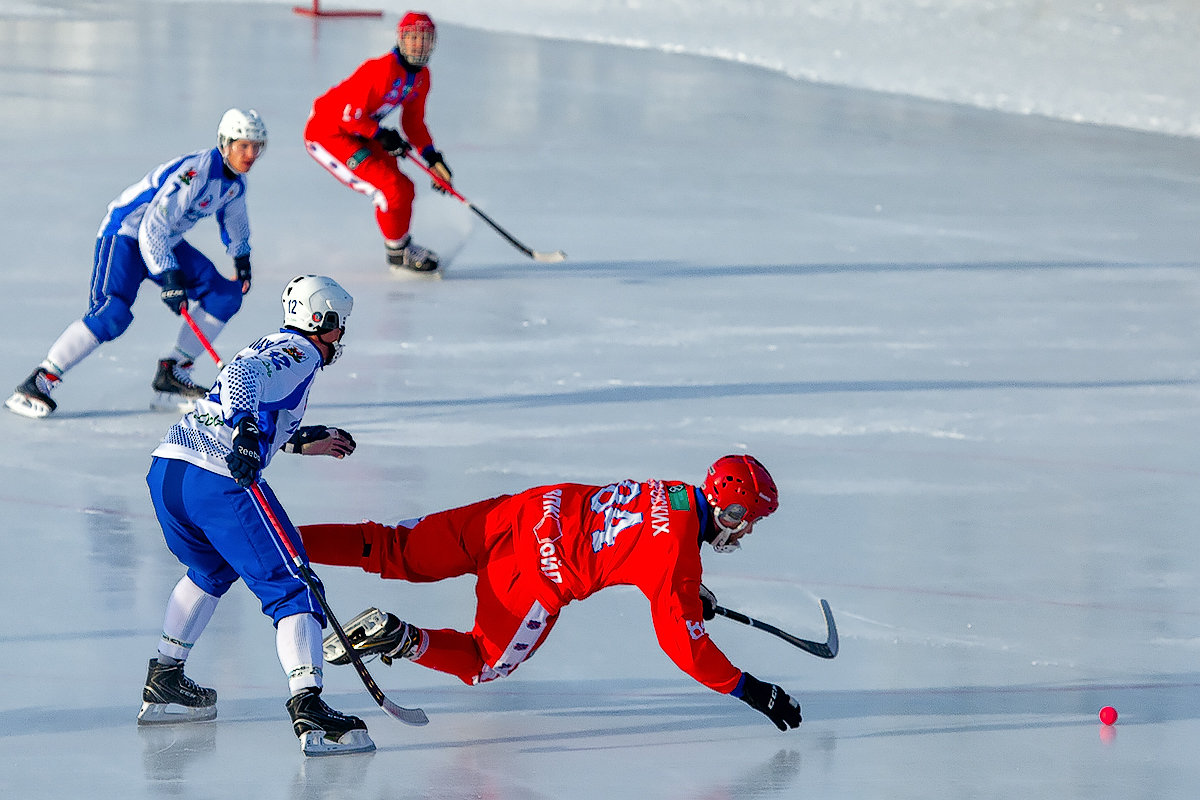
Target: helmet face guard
point(727, 527)
point(416, 37)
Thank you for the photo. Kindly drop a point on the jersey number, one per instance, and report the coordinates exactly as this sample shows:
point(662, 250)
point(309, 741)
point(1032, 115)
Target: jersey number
point(607, 502)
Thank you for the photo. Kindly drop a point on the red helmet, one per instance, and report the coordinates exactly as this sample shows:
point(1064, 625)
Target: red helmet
point(741, 481)
point(415, 37)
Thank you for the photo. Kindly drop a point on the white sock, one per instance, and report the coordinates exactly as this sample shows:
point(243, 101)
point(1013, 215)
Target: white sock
point(187, 346)
point(188, 611)
point(72, 346)
point(298, 640)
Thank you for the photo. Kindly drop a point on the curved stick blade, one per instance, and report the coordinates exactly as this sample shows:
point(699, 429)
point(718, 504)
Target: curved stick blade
point(831, 643)
point(409, 716)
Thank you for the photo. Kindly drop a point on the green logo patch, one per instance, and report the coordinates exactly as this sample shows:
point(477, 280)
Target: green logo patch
point(679, 498)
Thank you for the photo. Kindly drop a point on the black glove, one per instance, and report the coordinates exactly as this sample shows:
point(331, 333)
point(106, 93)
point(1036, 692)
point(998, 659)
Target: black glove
point(245, 461)
point(393, 142)
point(771, 700)
point(173, 292)
point(318, 440)
point(242, 265)
point(709, 601)
point(438, 164)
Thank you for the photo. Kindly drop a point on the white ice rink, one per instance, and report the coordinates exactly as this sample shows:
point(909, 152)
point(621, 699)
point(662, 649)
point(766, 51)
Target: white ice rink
point(964, 342)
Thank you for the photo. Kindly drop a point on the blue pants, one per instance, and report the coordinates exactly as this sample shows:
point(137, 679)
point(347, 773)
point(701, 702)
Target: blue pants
point(118, 270)
point(219, 532)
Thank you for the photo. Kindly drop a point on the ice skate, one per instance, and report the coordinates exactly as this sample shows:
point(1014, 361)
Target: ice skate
point(32, 398)
point(407, 256)
point(175, 390)
point(323, 731)
point(374, 632)
point(169, 696)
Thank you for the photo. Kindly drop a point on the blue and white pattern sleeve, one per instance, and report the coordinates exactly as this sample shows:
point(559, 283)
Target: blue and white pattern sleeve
point(269, 379)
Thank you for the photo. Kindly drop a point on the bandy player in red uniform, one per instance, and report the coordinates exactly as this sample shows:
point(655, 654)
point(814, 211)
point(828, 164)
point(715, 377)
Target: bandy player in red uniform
point(536, 551)
point(344, 136)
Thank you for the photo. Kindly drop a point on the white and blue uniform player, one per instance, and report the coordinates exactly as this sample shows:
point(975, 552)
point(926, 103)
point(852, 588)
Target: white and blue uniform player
point(199, 482)
point(141, 238)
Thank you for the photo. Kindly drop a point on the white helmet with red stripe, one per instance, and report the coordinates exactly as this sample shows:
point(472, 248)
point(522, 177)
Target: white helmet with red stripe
point(741, 491)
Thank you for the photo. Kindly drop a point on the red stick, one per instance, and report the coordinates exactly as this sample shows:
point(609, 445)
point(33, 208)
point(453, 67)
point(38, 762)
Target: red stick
point(187, 317)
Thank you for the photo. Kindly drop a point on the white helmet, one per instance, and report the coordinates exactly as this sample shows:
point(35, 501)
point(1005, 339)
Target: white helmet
point(237, 124)
point(316, 304)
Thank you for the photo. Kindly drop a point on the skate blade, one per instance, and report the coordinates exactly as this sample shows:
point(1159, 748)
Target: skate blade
point(27, 406)
point(409, 273)
point(173, 714)
point(315, 744)
point(365, 625)
point(169, 401)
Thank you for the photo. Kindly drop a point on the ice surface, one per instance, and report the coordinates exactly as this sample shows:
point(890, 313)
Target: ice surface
point(1118, 62)
point(963, 341)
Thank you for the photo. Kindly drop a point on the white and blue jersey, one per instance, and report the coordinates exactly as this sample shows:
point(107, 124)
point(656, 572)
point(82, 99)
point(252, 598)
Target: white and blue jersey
point(269, 380)
point(142, 237)
point(164, 205)
point(214, 526)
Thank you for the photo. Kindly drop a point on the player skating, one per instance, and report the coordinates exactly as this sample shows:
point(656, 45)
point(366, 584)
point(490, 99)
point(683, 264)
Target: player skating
point(142, 237)
point(536, 551)
point(345, 137)
point(198, 482)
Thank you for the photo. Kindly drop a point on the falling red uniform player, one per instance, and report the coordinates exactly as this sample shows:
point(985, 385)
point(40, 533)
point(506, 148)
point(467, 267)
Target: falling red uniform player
point(536, 551)
point(344, 136)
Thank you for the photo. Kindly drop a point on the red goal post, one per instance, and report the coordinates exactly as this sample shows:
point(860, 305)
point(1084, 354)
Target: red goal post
point(316, 11)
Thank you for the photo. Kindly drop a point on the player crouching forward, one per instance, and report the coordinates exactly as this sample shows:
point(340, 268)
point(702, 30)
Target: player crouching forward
point(536, 551)
point(142, 238)
point(199, 481)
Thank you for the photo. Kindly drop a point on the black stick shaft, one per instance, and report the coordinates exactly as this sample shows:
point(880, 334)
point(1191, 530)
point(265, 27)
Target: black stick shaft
point(826, 649)
point(410, 716)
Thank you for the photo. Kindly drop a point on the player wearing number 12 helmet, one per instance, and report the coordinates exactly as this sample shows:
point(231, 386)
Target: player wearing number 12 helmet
point(536, 551)
point(198, 479)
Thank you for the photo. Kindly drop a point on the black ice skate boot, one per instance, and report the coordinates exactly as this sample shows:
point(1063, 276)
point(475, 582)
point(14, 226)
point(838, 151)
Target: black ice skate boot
point(323, 731)
point(167, 686)
point(406, 255)
point(32, 398)
point(176, 390)
point(374, 632)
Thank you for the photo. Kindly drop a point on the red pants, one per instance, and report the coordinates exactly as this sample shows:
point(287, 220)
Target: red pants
point(363, 165)
point(510, 622)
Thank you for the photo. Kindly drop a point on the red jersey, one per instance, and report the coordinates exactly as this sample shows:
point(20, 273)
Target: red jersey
point(379, 85)
point(573, 540)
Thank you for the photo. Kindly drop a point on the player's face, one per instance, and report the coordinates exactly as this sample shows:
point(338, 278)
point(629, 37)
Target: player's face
point(416, 46)
point(242, 153)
